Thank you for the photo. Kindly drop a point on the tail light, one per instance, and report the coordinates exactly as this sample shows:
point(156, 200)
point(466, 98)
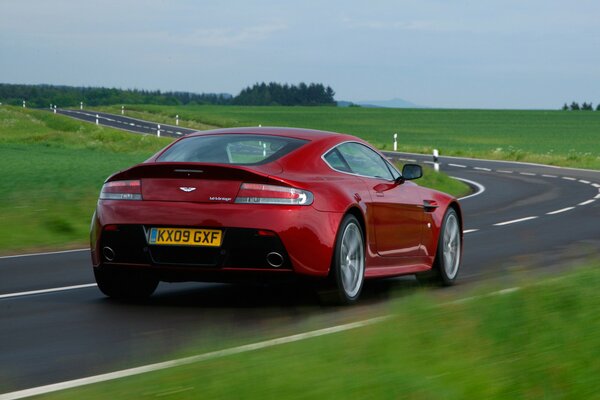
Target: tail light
point(121, 190)
point(257, 193)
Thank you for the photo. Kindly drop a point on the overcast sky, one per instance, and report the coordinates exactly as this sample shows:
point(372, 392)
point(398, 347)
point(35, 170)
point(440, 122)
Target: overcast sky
point(467, 54)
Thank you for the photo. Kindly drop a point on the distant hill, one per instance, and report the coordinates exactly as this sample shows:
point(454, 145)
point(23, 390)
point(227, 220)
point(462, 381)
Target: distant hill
point(393, 103)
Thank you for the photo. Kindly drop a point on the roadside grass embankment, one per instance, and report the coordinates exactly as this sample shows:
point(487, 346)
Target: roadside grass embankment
point(53, 168)
point(562, 138)
point(540, 341)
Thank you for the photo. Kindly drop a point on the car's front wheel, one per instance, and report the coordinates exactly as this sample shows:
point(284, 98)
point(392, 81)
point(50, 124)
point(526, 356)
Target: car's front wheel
point(449, 253)
point(348, 268)
point(125, 284)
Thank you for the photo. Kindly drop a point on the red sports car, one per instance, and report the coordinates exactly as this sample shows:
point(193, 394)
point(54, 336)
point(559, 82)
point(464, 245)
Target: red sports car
point(269, 203)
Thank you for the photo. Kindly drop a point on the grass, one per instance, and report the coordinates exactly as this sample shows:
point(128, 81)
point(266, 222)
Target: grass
point(53, 168)
point(550, 137)
point(538, 342)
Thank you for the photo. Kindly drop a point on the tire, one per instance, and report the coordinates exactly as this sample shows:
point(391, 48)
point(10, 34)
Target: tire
point(448, 255)
point(347, 274)
point(125, 284)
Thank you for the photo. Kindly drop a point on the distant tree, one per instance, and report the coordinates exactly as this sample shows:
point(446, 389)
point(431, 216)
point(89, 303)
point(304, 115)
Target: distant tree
point(587, 107)
point(574, 106)
point(598, 107)
point(565, 107)
point(262, 94)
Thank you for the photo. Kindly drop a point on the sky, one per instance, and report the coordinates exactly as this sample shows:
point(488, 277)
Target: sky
point(521, 54)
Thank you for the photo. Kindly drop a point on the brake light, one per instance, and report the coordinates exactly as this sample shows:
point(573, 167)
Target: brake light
point(121, 190)
point(257, 193)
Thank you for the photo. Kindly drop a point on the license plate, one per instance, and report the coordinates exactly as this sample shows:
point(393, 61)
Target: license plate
point(185, 237)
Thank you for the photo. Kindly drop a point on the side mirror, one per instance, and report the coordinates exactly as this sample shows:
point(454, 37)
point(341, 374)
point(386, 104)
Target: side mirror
point(411, 171)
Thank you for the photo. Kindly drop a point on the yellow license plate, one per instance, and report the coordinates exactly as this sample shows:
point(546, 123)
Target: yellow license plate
point(185, 237)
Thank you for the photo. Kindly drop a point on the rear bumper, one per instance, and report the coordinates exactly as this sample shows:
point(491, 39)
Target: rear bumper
point(303, 236)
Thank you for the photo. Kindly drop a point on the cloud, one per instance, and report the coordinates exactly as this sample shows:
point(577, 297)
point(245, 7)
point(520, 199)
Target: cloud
point(229, 37)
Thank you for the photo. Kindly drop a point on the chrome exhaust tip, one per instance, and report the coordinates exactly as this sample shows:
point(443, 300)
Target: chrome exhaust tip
point(108, 253)
point(275, 259)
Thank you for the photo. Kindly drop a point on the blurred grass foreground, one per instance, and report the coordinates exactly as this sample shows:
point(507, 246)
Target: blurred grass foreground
point(540, 341)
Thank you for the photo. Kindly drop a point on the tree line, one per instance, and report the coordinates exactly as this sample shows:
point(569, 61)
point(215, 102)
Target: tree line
point(576, 107)
point(42, 96)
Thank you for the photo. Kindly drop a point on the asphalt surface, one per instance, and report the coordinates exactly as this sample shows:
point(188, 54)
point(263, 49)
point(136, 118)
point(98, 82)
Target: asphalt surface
point(528, 217)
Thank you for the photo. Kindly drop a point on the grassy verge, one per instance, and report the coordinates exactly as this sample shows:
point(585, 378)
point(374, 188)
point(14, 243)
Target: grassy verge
point(538, 342)
point(52, 170)
point(549, 137)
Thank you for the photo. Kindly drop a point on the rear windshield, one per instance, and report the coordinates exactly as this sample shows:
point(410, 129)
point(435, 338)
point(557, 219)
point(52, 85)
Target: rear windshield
point(231, 149)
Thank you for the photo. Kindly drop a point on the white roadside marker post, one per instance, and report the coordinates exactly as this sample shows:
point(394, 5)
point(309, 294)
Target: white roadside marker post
point(81, 105)
point(177, 120)
point(50, 106)
point(97, 119)
point(436, 163)
point(23, 103)
point(158, 131)
point(395, 142)
point(122, 110)
point(55, 109)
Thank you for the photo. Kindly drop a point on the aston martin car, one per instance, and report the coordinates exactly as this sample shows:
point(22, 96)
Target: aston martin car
point(265, 204)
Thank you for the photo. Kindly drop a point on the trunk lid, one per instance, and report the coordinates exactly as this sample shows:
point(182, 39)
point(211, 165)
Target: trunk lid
point(193, 182)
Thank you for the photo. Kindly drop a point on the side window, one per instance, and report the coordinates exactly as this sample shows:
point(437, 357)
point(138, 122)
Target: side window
point(364, 161)
point(335, 161)
point(393, 170)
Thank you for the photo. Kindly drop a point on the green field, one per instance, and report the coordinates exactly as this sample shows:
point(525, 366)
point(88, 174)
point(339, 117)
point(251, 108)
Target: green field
point(549, 137)
point(53, 168)
point(538, 342)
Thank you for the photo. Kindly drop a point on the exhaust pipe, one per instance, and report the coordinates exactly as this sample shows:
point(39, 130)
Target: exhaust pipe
point(275, 259)
point(108, 253)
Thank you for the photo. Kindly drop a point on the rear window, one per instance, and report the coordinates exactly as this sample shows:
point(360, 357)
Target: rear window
point(231, 149)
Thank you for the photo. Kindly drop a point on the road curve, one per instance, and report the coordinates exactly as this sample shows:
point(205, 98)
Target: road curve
point(529, 215)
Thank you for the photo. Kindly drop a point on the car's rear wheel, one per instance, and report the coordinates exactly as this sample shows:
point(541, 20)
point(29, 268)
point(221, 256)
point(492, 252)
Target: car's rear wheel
point(347, 273)
point(125, 284)
point(449, 253)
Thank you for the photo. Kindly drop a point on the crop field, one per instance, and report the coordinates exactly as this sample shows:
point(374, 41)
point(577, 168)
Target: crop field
point(53, 168)
point(549, 137)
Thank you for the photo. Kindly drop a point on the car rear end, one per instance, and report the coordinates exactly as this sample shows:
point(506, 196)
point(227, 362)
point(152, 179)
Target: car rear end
point(213, 208)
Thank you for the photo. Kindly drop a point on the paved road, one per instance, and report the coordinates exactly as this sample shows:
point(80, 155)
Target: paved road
point(126, 123)
point(528, 216)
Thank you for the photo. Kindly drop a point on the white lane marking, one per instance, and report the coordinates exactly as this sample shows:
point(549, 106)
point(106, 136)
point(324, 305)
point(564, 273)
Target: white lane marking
point(514, 221)
point(595, 185)
point(428, 162)
point(568, 178)
point(458, 165)
point(584, 181)
point(501, 161)
point(44, 291)
point(188, 360)
point(560, 211)
point(479, 186)
point(527, 173)
point(481, 169)
point(585, 203)
point(549, 176)
point(470, 231)
point(178, 133)
point(503, 171)
point(597, 196)
point(132, 124)
point(44, 254)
